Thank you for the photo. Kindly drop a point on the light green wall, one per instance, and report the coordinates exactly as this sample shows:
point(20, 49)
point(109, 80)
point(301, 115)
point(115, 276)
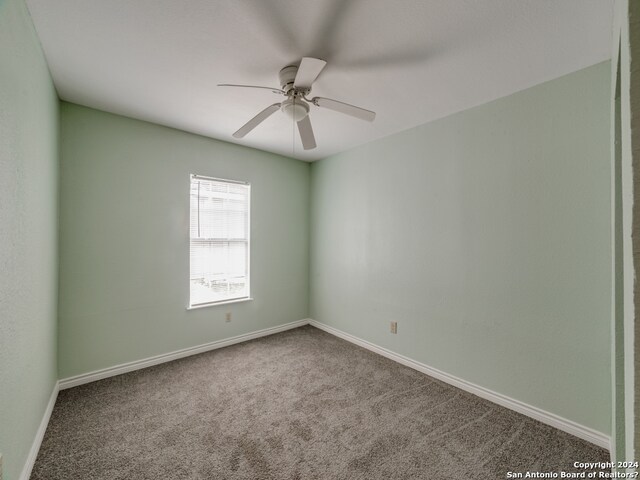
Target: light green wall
point(28, 235)
point(124, 256)
point(486, 235)
point(618, 269)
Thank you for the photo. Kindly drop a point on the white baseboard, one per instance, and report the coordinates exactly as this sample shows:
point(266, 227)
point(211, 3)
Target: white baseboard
point(580, 431)
point(37, 441)
point(167, 357)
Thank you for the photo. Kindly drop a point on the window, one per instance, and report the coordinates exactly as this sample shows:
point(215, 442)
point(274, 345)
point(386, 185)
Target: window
point(219, 241)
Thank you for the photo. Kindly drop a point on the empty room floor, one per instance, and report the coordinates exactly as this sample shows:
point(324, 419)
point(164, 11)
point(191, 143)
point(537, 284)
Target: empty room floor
point(301, 404)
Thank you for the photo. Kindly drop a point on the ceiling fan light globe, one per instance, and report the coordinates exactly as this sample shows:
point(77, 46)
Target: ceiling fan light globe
point(296, 110)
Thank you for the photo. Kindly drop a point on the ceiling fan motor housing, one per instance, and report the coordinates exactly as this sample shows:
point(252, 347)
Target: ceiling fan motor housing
point(288, 77)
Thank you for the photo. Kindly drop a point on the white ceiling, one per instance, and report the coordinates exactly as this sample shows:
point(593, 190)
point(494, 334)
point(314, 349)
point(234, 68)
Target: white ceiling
point(411, 61)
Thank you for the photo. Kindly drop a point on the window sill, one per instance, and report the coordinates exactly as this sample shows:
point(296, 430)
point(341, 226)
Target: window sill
point(213, 304)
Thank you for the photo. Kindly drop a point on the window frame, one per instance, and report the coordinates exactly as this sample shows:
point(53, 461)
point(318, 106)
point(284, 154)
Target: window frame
point(226, 301)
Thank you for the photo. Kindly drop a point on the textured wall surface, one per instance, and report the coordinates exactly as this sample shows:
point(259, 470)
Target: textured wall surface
point(486, 235)
point(625, 148)
point(28, 235)
point(124, 262)
point(634, 129)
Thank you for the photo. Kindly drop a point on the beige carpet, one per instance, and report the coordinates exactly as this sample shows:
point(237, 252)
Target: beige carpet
point(297, 405)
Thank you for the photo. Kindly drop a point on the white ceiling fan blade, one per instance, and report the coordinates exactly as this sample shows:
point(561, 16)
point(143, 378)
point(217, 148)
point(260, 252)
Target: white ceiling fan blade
point(273, 89)
point(308, 71)
point(306, 133)
point(345, 108)
point(257, 120)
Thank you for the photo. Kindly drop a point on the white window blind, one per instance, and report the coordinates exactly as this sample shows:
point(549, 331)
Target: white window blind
point(219, 240)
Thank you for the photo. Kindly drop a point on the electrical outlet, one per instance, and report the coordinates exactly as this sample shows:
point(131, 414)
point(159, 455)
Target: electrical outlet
point(394, 327)
point(227, 317)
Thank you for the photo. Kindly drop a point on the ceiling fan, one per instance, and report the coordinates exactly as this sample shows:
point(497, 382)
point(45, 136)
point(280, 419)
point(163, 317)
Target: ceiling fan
point(296, 84)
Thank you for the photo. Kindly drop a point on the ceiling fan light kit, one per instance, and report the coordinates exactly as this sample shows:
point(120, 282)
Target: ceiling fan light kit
point(295, 108)
point(296, 83)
